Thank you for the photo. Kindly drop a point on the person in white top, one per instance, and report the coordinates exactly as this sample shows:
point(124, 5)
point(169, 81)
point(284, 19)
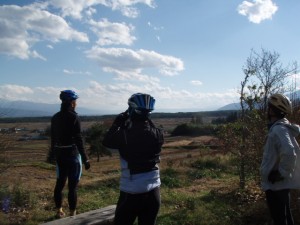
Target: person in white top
point(280, 167)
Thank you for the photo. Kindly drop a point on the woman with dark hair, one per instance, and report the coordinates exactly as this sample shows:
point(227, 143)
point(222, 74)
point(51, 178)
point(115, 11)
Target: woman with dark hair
point(68, 150)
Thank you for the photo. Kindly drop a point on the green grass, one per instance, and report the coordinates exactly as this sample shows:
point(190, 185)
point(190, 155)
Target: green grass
point(98, 195)
point(170, 178)
point(187, 197)
point(179, 209)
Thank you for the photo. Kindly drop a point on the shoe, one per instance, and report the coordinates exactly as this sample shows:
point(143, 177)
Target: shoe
point(73, 212)
point(60, 214)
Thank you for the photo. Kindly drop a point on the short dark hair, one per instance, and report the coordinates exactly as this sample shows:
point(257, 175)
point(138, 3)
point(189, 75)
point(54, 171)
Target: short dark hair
point(65, 105)
point(278, 113)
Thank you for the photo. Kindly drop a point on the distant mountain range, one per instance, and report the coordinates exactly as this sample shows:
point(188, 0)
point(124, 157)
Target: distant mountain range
point(294, 96)
point(232, 106)
point(33, 109)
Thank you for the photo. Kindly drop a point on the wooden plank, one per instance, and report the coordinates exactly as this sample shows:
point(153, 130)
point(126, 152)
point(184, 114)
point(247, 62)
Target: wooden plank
point(103, 216)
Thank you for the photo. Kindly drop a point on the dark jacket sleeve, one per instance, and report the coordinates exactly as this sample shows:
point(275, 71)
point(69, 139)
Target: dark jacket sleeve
point(138, 144)
point(79, 140)
point(114, 137)
point(52, 157)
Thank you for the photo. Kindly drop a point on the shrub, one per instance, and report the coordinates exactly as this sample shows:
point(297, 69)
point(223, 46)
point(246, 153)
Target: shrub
point(193, 130)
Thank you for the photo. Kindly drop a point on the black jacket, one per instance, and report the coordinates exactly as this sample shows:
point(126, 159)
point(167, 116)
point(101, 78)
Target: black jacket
point(66, 131)
point(139, 143)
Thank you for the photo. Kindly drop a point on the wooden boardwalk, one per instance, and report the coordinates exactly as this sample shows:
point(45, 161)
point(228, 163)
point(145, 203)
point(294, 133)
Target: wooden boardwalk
point(103, 216)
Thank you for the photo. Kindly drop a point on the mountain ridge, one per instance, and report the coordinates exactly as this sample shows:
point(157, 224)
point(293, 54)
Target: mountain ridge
point(34, 109)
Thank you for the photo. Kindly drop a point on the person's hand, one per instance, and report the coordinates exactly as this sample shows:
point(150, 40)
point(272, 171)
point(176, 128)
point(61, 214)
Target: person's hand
point(275, 176)
point(87, 165)
point(121, 118)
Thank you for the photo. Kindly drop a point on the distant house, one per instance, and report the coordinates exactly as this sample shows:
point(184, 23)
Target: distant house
point(33, 136)
point(6, 130)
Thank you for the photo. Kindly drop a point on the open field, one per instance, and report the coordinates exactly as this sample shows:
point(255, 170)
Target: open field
point(199, 183)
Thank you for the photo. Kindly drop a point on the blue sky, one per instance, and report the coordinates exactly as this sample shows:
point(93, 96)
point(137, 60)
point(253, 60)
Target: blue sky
point(188, 54)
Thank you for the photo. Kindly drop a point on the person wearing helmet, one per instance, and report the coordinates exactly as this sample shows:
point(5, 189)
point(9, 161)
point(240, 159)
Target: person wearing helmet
point(68, 150)
point(139, 143)
point(280, 167)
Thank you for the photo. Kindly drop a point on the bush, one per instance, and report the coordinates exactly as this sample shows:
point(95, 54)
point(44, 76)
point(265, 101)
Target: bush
point(193, 130)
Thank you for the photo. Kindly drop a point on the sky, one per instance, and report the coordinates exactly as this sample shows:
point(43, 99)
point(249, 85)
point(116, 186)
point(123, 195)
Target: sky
point(188, 54)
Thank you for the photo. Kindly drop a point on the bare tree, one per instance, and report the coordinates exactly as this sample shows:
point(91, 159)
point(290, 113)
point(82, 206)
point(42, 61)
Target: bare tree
point(269, 75)
point(264, 75)
point(94, 136)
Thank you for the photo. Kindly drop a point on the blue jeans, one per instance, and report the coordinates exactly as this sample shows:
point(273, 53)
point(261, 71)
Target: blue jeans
point(279, 206)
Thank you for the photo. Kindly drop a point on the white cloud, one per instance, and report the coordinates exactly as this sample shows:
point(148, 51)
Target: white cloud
point(14, 92)
point(50, 90)
point(72, 72)
point(258, 10)
point(116, 96)
point(158, 38)
point(132, 75)
point(113, 97)
point(90, 12)
point(127, 60)
point(74, 8)
point(127, 6)
point(110, 33)
point(196, 82)
point(22, 27)
point(155, 27)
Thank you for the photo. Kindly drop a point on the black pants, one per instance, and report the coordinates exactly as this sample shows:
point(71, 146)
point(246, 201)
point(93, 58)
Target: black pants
point(143, 206)
point(279, 206)
point(67, 169)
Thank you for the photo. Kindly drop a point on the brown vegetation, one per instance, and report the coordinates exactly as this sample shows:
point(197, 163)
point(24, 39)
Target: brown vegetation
point(24, 166)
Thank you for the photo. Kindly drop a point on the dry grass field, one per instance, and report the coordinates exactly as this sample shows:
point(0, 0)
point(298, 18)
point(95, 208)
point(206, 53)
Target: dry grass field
point(23, 170)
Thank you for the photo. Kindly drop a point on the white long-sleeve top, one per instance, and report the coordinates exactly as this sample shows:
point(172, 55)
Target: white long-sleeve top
point(282, 153)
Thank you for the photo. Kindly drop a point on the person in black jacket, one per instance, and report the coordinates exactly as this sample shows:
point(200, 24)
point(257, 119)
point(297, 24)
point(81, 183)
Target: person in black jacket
point(139, 144)
point(68, 150)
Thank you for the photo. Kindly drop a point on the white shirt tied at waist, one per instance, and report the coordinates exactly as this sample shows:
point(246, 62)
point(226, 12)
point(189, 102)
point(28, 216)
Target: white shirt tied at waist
point(138, 183)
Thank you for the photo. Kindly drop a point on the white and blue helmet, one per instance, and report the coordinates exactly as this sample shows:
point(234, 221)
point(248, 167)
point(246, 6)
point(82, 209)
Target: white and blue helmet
point(141, 104)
